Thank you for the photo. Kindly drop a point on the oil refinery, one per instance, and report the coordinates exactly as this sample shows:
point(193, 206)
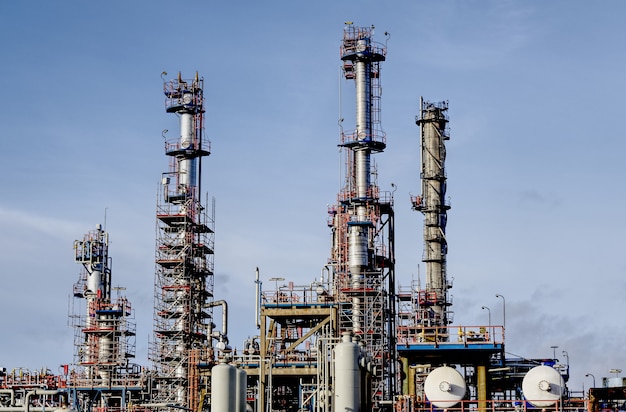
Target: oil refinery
point(349, 340)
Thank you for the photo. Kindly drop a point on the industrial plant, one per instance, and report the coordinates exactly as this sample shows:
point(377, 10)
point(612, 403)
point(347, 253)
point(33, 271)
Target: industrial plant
point(349, 340)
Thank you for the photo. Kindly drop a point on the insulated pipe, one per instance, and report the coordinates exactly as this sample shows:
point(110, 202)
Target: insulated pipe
point(12, 392)
point(224, 306)
point(481, 385)
point(37, 392)
point(257, 304)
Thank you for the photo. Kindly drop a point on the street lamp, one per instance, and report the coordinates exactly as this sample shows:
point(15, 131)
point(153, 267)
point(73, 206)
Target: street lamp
point(276, 280)
point(593, 377)
point(277, 295)
point(503, 312)
point(488, 310)
point(554, 352)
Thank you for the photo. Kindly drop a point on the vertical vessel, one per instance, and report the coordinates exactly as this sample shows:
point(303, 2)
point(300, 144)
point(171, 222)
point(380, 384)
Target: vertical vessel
point(434, 301)
point(362, 255)
point(184, 253)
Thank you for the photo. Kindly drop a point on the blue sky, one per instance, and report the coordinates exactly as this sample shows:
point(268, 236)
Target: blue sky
point(536, 92)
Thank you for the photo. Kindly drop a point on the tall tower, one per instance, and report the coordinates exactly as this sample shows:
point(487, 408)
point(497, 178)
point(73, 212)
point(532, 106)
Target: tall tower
point(184, 253)
point(434, 300)
point(362, 224)
point(105, 332)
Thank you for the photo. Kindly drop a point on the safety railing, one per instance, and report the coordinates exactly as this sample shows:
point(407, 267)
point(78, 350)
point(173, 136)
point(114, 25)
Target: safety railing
point(449, 335)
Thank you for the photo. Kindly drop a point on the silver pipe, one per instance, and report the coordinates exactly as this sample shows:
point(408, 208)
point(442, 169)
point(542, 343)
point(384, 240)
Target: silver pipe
point(224, 306)
point(257, 303)
point(26, 407)
point(187, 167)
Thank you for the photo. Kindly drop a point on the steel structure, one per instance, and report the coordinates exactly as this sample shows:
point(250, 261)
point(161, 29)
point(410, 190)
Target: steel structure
point(434, 302)
point(362, 252)
point(184, 254)
point(102, 375)
point(328, 346)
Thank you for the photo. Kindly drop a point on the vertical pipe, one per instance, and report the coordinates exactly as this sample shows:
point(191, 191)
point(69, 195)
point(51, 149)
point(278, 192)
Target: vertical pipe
point(411, 378)
point(481, 386)
point(405, 373)
point(257, 305)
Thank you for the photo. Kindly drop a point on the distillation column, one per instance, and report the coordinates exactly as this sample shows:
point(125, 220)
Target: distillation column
point(103, 339)
point(432, 203)
point(362, 222)
point(184, 257)
point(361, 60)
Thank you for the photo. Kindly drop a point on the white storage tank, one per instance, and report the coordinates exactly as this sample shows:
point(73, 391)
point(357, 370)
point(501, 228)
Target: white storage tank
point(223, 387)
point(347, 383)
point(241, 400)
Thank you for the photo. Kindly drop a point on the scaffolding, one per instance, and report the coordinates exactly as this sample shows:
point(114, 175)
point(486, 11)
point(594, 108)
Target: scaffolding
point(102, 376)
point(104, 338)
point(184, 255)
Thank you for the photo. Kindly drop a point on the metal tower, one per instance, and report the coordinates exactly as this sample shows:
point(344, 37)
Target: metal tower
point(184, 254)
point(362, 224)
point(433, 301)
point(105, 332)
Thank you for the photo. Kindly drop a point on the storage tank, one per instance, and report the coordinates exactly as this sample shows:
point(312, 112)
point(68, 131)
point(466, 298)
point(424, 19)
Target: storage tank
point(241, 399)
point(347, 383)
point(223, 387)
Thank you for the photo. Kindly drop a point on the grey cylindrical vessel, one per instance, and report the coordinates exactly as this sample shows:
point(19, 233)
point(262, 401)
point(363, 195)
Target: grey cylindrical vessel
point(223, 388)
point(347, 381)
point(241, 399)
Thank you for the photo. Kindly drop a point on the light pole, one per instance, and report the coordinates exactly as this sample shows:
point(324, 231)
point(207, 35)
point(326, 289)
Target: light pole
point(276, 280)
point(554, 352)
point(503, 312)
point(277, 293)
point(592, 377)
point(489, 311)
point(489, 329)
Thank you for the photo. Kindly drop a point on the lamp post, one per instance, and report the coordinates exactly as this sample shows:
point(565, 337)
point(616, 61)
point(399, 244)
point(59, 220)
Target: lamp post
point(276, 280)
point(489, 329)
point(554, 352)
point(592, 377)
point(489, 311)
point(277, 295)
point(503, 312)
